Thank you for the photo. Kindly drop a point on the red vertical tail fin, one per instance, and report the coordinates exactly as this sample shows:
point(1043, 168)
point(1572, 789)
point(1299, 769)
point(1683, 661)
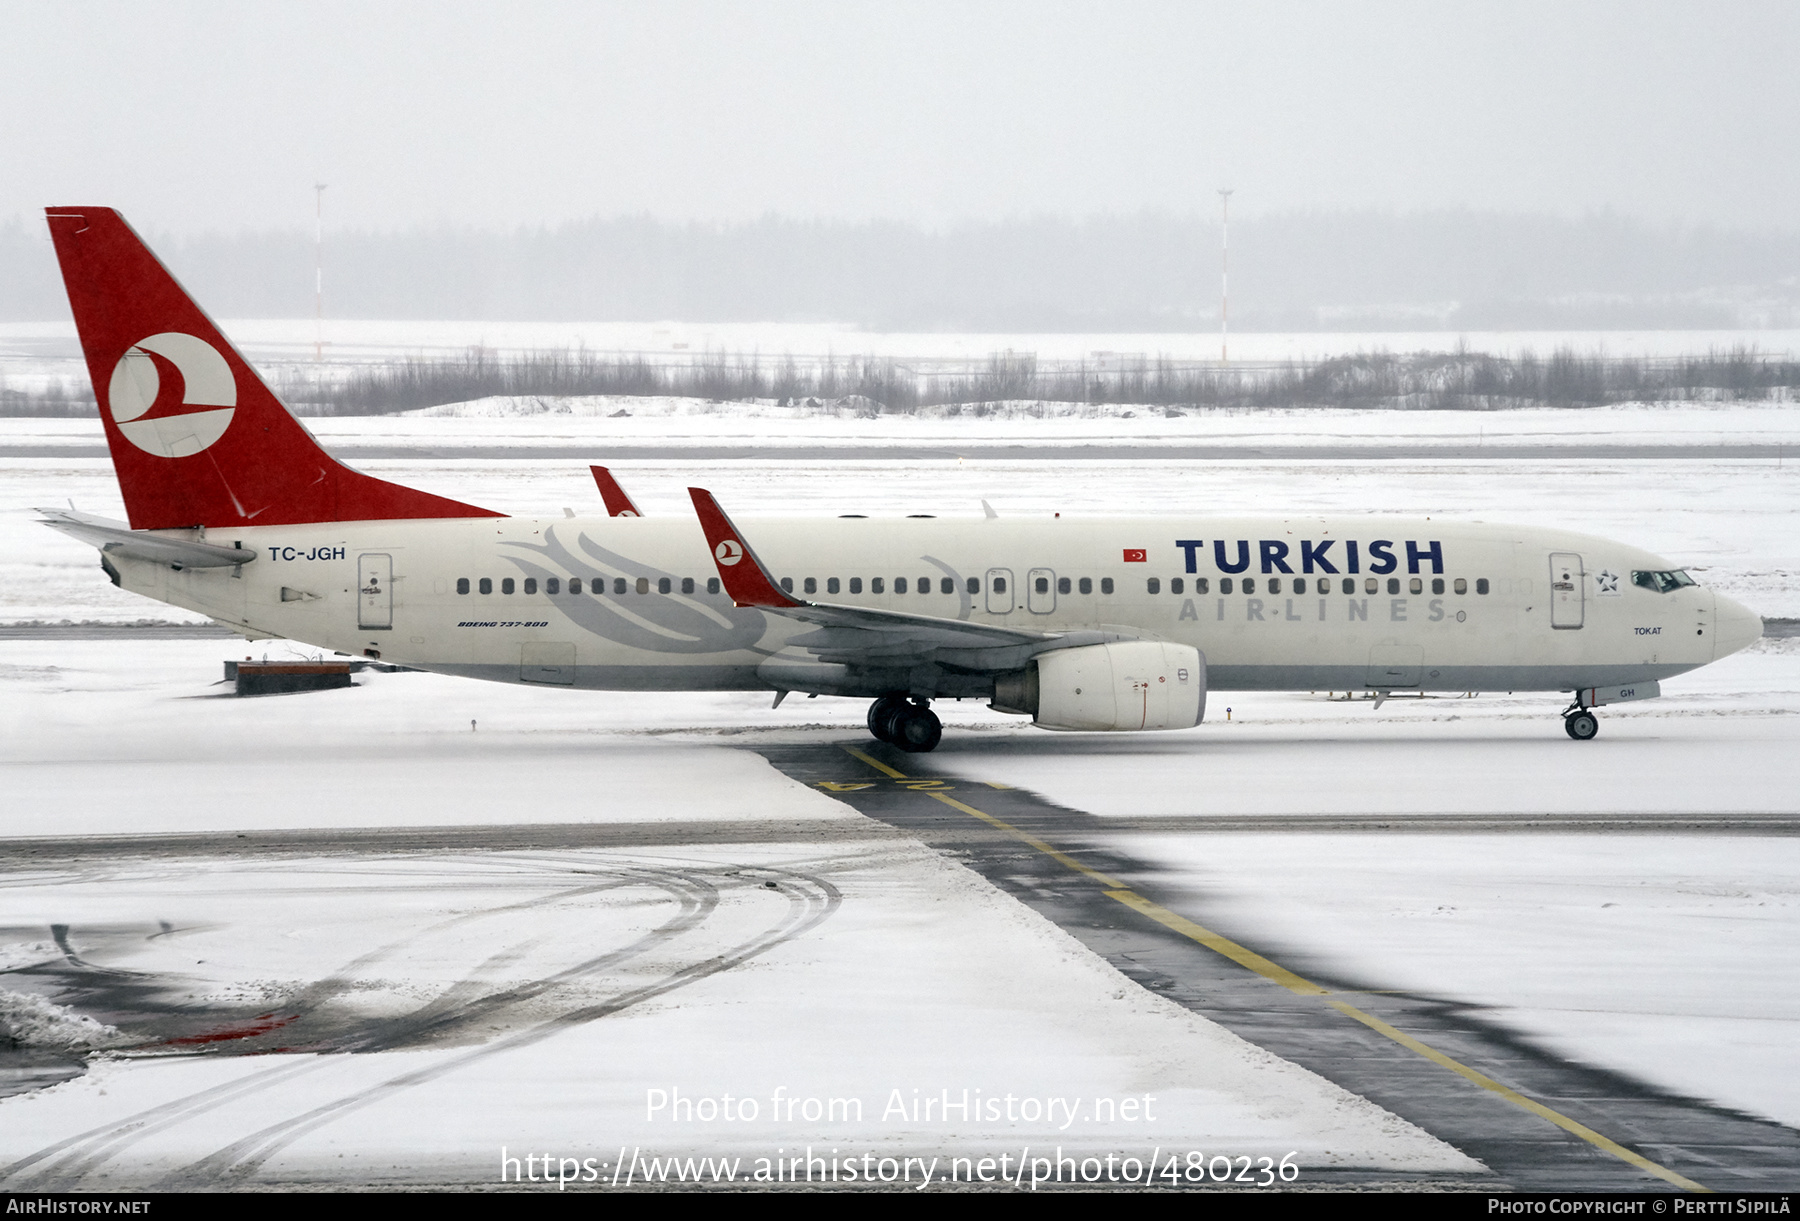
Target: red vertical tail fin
point(197, 438)
point(618, 504)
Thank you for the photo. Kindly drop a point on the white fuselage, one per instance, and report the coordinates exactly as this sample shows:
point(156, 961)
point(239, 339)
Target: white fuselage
point(1414, 616)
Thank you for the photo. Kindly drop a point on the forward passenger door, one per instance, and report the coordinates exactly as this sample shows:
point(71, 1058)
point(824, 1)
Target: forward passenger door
point(1568, 592)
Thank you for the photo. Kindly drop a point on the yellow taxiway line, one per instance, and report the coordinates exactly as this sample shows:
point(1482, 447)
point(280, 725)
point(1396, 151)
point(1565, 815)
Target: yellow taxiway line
point(1276, 973)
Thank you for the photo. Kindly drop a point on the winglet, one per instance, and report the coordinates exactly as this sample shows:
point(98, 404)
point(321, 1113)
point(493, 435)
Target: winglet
point(743, 575)
point(618, 504)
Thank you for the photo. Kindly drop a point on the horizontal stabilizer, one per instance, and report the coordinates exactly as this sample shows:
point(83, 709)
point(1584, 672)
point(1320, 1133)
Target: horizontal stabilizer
point(117, 538)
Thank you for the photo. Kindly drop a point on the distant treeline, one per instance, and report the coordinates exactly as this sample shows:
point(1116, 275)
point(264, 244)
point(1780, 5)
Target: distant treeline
point(1450, 269)
point(1468, 381)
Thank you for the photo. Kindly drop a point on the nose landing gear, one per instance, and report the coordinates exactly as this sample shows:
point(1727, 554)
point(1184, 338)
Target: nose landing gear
point(1580, 724)
point(906, 721)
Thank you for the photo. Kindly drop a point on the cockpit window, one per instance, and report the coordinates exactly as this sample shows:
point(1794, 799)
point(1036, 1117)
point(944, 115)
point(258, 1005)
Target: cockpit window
point(1661, 582)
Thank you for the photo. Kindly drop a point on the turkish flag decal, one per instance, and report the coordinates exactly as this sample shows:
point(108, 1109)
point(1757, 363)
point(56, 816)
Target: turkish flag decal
point(1136, 555)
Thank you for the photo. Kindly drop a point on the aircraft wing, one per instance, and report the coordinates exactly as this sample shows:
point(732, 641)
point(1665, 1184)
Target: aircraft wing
point(117, 538)
point(864, 637)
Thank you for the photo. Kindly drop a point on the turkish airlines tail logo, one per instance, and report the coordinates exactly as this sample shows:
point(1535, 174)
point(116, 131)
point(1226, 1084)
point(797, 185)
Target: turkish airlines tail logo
point(172, 394)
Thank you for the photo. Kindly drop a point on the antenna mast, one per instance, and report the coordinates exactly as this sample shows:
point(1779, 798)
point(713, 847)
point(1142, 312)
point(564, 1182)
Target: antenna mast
point(318, 272)
point(1224, 269)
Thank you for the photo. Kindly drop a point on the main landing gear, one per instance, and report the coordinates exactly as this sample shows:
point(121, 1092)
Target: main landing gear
point(906, 721)
point(1580, 724)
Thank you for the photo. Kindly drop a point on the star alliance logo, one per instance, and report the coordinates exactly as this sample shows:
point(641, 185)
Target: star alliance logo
point(1607, 582)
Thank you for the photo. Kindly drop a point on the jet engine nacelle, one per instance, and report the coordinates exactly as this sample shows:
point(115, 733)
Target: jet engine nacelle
point(1139, 684)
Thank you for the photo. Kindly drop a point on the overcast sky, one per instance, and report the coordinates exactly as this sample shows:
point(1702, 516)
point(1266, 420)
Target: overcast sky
point(193, 117)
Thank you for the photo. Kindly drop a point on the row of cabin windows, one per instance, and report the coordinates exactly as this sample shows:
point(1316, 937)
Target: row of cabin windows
point(1371, 585)
point(596, 586)
point(945, 585)
point(878, 585)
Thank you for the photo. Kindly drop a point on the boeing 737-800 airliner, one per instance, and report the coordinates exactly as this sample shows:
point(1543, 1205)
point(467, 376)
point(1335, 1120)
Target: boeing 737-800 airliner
point(1104, 623)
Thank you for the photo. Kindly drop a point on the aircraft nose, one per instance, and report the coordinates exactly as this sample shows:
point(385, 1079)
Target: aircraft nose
point(1735, 626)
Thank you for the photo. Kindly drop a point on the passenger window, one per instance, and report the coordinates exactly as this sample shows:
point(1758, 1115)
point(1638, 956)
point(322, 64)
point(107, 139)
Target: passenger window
point(1393, 585)
point(1224, 585)
point(1087, 585)
point(712, 585)
point(1416, 586)
point(999, 585)
point(1481, 585)
point(1350, 585)
point(1437, 585)
point(1462, 585)
point(551, 586)
point(1249, 585)
point(899, 585)
point(1177, 585)
point(831, 585)
point(876, 586)
point(1106, 585)
point(947, 586)
point(506, 585)
point(664, 585)
point(462, 585)
point(974, 585)
point(1274, 585)
point(1043, 585)
point(855, 585)
point(1062, 585)
point(487, 585)
point(924, 585)
point(1200, 584)
point(1299, 585)
point(574, 585)
point(618, 585)
point(643, 585)
point(687, 585)
point(810, 585)
point(1153, 585)
point(530, 585)
point(1371, 586)
point(787, 585)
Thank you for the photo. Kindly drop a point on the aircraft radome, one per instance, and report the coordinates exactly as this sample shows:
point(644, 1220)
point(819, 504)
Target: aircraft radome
point(1081, 623)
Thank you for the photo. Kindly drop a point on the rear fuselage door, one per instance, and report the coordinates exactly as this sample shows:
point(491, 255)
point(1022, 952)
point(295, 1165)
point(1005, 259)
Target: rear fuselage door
point(375, 592)
point(999, 591)
point(1040, 591)
point(1568, 606)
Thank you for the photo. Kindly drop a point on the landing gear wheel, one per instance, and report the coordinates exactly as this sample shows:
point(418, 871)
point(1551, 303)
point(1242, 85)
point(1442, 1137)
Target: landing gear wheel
point(1582, 725)
point(881, 717)
point(917, 729)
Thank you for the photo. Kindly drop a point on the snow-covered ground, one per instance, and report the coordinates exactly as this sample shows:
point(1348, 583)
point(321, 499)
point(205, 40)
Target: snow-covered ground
point(1659, 956)
point(676, 422)
point(917, 976)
